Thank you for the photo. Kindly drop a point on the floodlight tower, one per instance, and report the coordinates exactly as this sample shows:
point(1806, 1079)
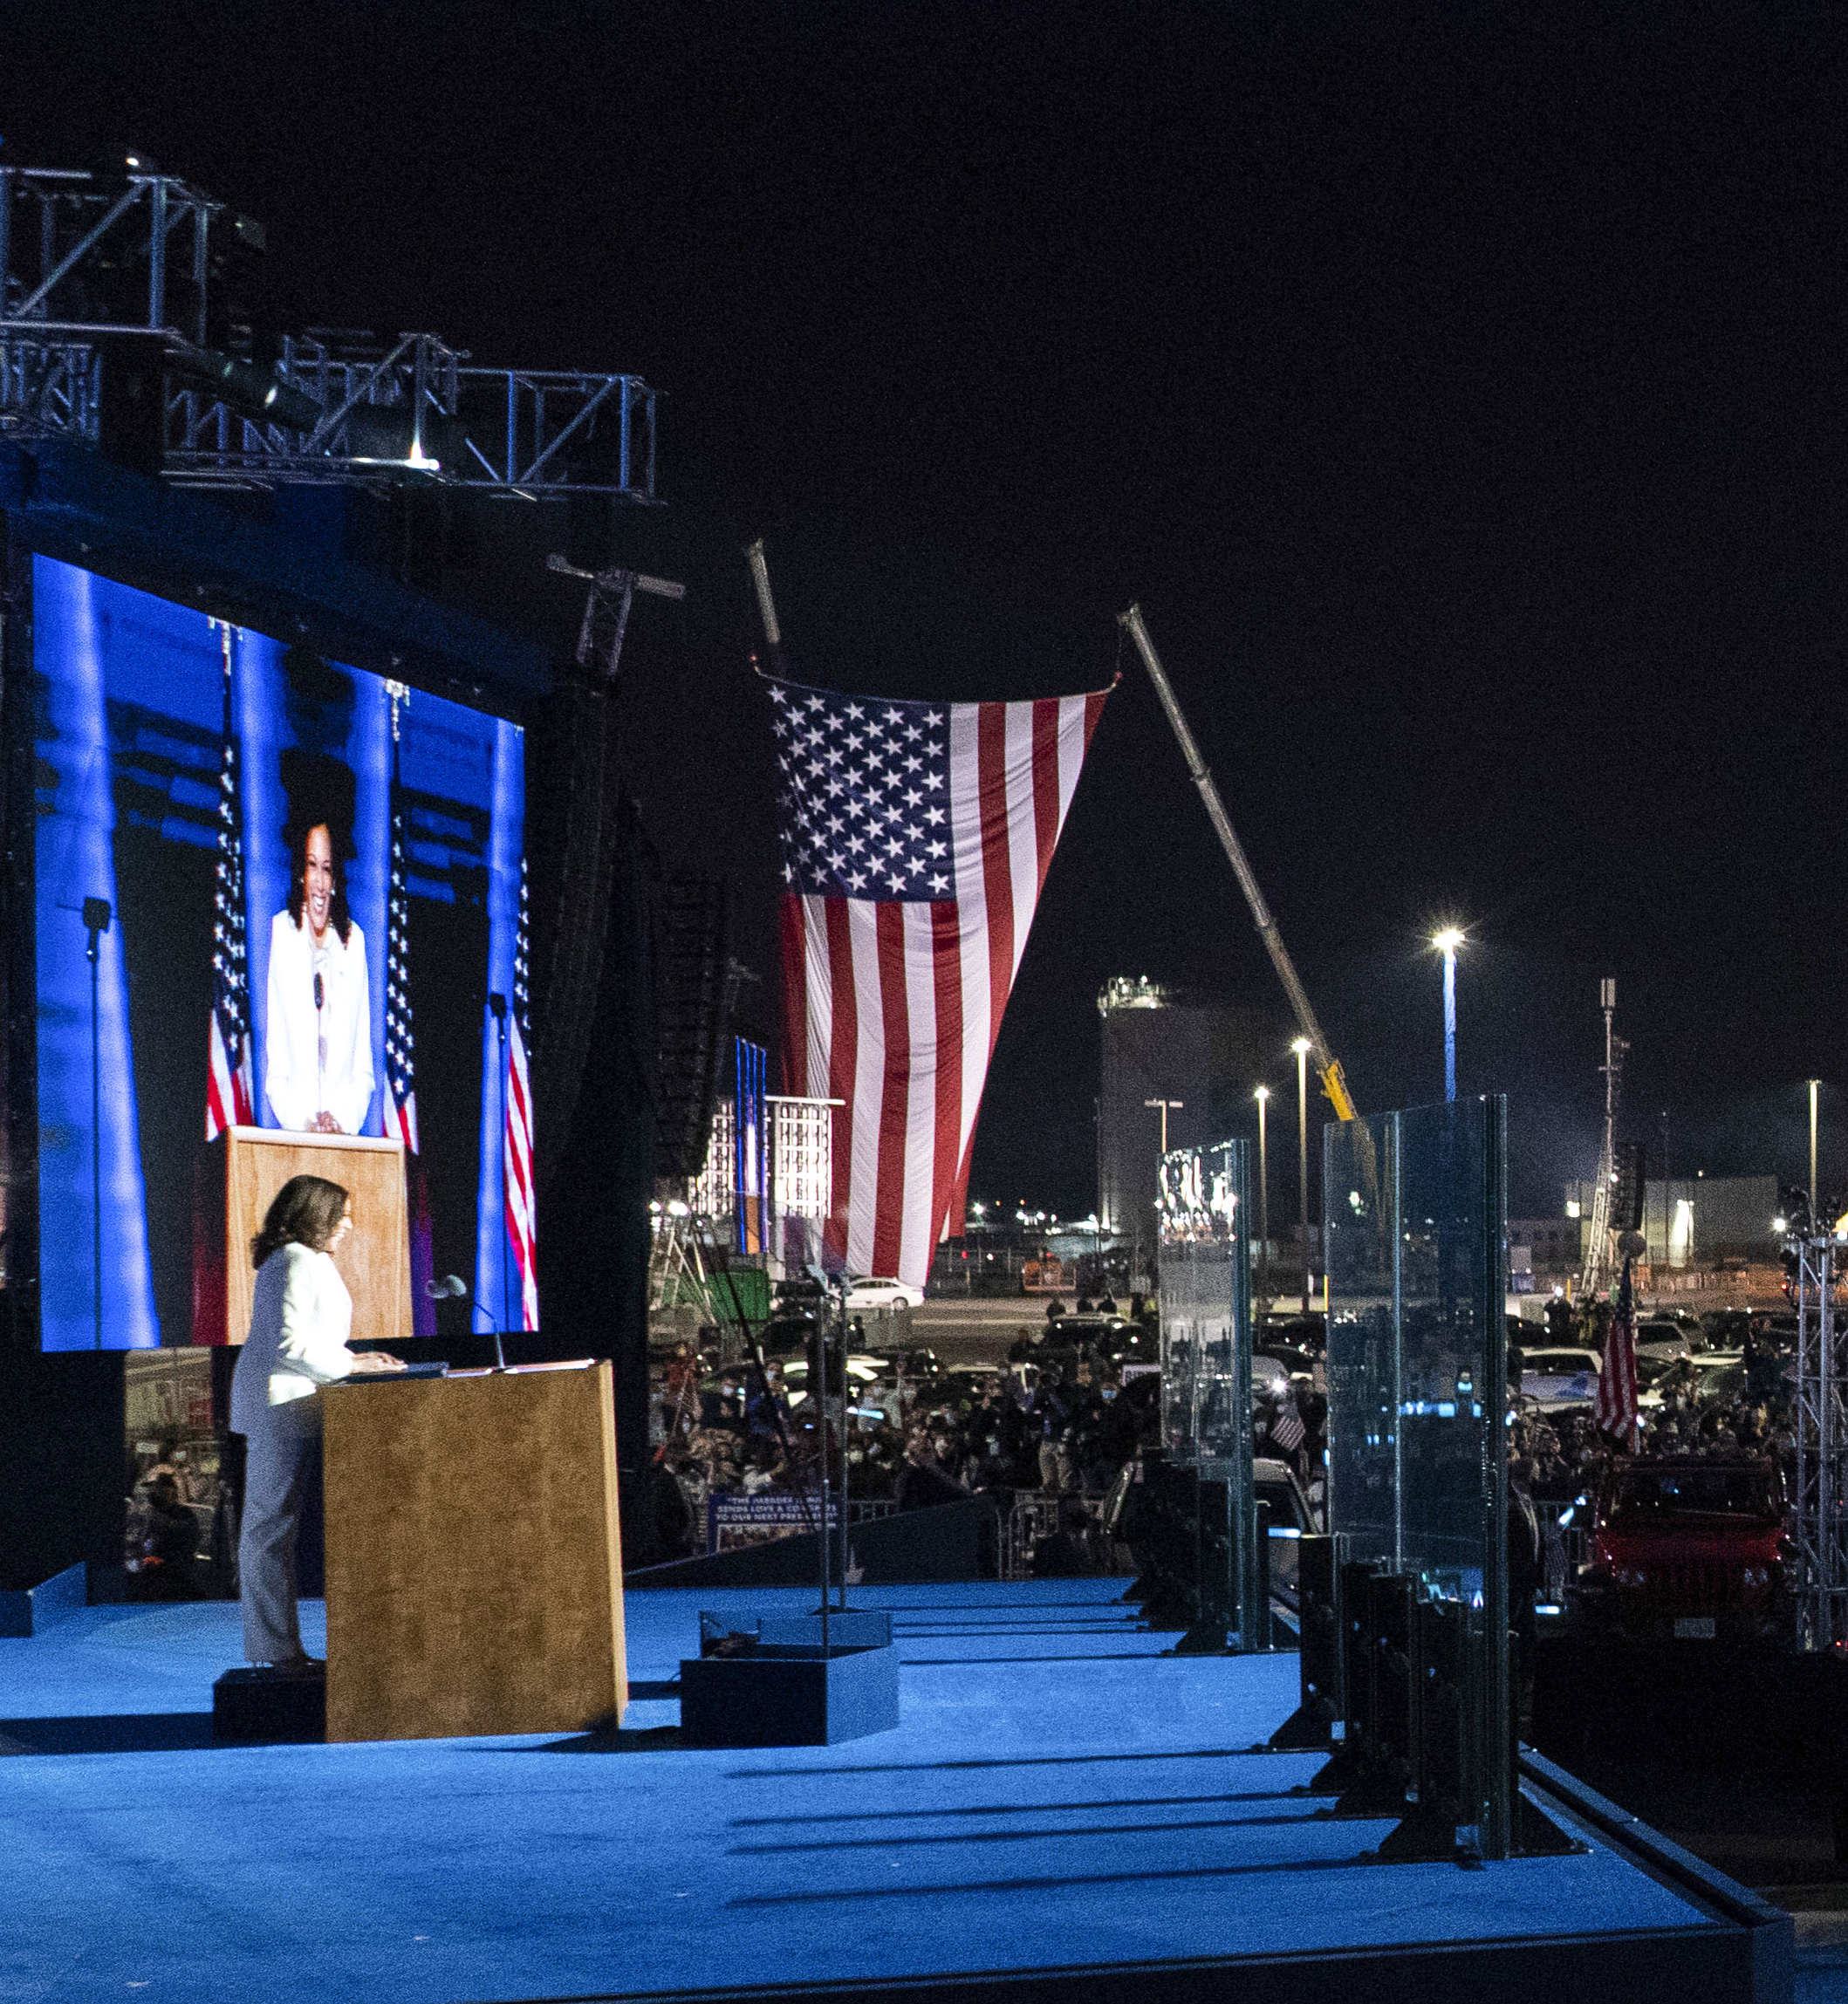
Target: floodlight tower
point(1447, 942)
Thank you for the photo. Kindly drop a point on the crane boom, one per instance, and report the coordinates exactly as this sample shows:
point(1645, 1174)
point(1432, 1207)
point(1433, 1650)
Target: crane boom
point(1334, 1083)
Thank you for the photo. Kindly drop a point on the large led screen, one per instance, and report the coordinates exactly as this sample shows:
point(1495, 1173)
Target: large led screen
point(313, 884)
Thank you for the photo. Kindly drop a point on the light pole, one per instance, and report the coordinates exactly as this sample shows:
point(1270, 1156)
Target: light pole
point(1164, 1104)
point(1447, 942)
point(1301, 1047)
point(1814, 1223)
point(1262, 1096)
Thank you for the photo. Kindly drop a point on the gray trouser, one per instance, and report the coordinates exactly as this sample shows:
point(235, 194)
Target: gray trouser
point(278, 1464)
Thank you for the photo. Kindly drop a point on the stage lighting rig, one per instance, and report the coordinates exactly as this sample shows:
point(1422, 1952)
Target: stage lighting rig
point(130, 318)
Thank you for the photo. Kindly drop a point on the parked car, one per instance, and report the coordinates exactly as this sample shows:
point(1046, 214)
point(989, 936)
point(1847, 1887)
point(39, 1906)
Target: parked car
point(1689, 1547)
point(1106, 1336)
point(883, 1294)
point(1292, 1518)
point(1660, 1337)
point(1555, 1378)
point(1301, 1330)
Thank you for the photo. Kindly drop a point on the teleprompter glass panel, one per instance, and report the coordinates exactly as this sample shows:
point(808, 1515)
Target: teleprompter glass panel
point(1415, 1213)
point(1203, 1212)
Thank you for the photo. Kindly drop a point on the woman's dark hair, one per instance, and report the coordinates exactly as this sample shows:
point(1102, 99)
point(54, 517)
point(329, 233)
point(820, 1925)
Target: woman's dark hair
point(338, 916)
point(306, 1211)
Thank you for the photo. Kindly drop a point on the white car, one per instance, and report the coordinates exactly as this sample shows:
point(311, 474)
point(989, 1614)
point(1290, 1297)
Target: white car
point(1555, 1377)
point(886, 1294)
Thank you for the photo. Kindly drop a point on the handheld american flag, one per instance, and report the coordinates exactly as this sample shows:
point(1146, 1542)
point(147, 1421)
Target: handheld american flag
point(517, 1151)
point(230, 1098)
point(1616, 1408)
point(915, 839)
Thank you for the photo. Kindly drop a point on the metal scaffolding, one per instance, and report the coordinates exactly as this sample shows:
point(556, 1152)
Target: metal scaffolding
point(91, 266)
point(1819, 1521)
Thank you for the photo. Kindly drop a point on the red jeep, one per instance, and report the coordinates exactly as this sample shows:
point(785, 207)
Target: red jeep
point(1689, 1546)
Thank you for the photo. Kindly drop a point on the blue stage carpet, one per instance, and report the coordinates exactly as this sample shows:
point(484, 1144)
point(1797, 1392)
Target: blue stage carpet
point(1058, 1793)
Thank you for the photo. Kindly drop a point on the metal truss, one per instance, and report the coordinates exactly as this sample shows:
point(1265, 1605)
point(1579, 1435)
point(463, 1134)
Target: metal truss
point(607, 610)
point(83, 265)
point(1819, 1523)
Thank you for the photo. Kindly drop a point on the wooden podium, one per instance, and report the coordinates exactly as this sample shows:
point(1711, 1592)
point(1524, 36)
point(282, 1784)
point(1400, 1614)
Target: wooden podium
point(244, 1169)
point(473, 1554)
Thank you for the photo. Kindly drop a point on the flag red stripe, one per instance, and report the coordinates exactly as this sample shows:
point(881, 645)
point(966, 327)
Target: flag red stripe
point(997, 886)
point(844, 1016)
point(1046, 783)
point(946, 975)
point(889, 931)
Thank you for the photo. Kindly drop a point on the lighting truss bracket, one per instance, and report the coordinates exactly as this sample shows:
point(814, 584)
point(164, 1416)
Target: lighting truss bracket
point(607, 610)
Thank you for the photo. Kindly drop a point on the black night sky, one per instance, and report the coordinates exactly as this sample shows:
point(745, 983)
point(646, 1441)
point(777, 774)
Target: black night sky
point(1459, 388)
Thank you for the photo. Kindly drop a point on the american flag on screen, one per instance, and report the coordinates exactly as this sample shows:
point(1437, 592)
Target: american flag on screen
point(230, 1097)
point(400, 1058)
point(400, 1065)
point(516, 1153)
point(915, 839)
point(1616, 1408)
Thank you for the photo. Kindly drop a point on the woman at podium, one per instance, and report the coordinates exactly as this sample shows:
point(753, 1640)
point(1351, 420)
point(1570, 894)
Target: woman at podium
point(300, 1319)
point(317, 1071)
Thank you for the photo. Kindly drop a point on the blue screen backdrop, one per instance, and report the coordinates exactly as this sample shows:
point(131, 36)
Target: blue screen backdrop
point(129, 707)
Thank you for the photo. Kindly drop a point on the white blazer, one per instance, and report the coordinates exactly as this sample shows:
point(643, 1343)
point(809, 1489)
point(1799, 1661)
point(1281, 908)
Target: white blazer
point(297, 1089)
point(301, 1317)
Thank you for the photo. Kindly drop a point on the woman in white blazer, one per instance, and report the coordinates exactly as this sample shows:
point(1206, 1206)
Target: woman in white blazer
point(318, 1067)
point(300, 1318)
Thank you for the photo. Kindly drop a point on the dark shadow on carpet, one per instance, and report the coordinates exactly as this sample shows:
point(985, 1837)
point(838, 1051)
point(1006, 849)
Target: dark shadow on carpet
point(1048, 1656)
point(647, 1740)
point(1055, 1883)
point(1021, 1809)
point(890, 1843)
point(110, 1733)
point(1029, 1761)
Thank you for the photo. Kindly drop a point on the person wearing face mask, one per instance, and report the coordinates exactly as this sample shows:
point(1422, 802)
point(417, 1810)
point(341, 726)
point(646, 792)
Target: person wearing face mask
point(318, 1068)
point(301, 1315)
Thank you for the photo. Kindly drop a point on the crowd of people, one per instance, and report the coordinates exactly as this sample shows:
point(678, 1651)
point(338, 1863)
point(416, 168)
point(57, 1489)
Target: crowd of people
point(1687, 1408)
point(913, 1437)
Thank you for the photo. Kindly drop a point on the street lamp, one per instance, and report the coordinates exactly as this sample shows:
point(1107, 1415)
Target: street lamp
point(1301, 1046)
point(1263, 1097)
point(1165, 1105)
point(1447, 942)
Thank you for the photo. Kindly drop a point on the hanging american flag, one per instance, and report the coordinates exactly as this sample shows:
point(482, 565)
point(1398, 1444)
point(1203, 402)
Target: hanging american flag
point(915, 839)
point(401, 1070)
point(1616, 1408)
point(517, 1151)
point(230, 1098)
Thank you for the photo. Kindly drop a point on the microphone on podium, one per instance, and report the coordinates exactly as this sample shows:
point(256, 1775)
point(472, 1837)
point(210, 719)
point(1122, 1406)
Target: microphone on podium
point(452, 1286)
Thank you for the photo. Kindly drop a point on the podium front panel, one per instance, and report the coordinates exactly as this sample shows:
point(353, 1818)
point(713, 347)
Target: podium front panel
point(473, 1555)
point(245, 1168)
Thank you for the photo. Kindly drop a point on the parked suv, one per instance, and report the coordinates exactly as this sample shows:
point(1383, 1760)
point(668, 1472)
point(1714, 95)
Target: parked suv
point(1689, 1547)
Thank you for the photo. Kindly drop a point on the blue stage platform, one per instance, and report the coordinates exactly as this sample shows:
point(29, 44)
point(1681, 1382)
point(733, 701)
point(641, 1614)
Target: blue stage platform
point(1064, 1812)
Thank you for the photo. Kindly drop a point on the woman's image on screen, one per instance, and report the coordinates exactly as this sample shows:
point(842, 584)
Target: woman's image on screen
point(317, 1070)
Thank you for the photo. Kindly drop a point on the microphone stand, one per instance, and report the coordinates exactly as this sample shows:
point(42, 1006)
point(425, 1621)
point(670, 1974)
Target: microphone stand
point(846, 1423)
point(500, 1355)
point(96, 916)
